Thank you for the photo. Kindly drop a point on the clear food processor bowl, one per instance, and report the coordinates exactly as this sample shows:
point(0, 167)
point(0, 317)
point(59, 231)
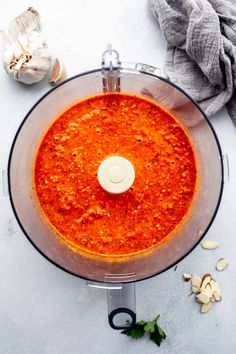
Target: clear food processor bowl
point(137, 79)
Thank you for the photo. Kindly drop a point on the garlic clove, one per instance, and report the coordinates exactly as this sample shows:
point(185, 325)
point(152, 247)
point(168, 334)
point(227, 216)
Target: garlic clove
point(217, 295)
point(58, 73)
point(208, 290)
point(206, 279)
point(209, 245)
point(203, 297)
point(222, 264)
point(206, 307)
point(196, 283)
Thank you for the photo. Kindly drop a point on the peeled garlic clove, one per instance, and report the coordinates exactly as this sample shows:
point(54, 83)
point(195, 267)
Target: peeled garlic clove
point(187, 277)
point(217, 295)
point(208, 290)
point(210, 245)
point(206, 307)
point(206, 279)
point(58, 73)
point(214, 285)
point(203, 297)
point(222, 264)
point(196, 282)
point(195, 289)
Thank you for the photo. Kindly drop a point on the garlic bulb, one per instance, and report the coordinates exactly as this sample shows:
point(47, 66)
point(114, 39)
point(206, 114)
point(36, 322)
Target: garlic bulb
point(26, 57)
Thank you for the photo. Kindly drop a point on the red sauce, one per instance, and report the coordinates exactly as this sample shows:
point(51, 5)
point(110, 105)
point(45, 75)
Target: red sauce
point(66, 166)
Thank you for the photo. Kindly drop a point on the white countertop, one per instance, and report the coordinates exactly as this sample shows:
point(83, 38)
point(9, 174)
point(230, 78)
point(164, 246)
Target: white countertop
point(44, 310)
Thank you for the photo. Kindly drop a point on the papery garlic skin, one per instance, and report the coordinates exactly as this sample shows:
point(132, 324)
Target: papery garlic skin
point(27, 22)
point(26, 57)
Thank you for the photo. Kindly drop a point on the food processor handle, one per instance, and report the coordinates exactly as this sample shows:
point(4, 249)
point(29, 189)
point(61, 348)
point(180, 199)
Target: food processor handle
point(121, 303)
point(111, 66)
point(121, 306)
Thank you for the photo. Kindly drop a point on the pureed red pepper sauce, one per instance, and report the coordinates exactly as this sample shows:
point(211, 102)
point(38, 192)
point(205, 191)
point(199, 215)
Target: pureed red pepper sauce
point(66, 167)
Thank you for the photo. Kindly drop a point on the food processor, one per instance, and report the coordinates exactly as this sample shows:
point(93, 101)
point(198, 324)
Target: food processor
point(116, 274)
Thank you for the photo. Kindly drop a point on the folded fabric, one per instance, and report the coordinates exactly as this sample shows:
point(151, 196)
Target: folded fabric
point(201, 49)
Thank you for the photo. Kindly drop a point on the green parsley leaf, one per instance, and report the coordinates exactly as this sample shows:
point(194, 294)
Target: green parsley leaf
point(150, 326)
point(161, 332)
point(156, 334)
point(135, 331)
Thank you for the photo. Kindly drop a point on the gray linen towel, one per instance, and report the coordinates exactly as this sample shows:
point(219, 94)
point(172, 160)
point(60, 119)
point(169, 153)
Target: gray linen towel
point(201, 49)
